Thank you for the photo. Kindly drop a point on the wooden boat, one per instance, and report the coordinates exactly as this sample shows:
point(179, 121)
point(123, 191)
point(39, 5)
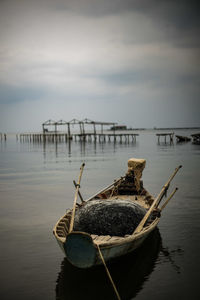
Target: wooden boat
point(181, 138)
point(84, 249)
point(129, 271)
point(195, 138)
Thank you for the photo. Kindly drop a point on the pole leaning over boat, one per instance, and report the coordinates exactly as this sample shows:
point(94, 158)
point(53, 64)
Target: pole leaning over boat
point(156, 202)
point(166, 202)
point(75, 198)
point(106, 188)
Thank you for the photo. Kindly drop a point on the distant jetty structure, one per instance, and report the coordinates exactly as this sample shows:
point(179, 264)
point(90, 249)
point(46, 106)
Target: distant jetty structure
point(196, 138)
point(165, 135)
point(50, 132)
point(119, 127)
point(3, 136)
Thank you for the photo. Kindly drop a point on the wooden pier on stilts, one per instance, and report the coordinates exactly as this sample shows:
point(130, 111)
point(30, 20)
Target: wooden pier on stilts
point(87, 137)
point(3, 136)
point(165, 135)
point(83, 136)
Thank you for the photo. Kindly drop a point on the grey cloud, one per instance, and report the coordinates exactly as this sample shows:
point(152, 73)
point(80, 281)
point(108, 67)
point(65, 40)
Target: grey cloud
point(14, 94)
point(115, 57)
point(181, 13)
point(127, 78)
point(178, 19)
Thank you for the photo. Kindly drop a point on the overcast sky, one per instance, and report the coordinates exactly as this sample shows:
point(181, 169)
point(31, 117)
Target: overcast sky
point(135, 62)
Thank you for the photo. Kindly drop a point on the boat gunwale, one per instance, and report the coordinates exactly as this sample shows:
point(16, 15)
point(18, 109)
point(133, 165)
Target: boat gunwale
point(106, 244)
point(114, 240)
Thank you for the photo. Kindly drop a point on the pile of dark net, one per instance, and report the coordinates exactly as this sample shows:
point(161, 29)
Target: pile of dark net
point(108, 217)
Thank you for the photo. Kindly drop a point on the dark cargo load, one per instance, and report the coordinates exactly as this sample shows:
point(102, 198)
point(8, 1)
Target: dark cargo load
point(114, 217)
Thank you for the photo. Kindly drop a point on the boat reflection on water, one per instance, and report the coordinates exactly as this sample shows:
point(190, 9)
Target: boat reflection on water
point(129, 274)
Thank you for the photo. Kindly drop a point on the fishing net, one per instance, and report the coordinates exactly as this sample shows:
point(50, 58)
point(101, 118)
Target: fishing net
point(109, 217)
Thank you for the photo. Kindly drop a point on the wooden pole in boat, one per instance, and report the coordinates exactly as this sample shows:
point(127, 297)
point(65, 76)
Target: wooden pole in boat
point(106, 188)
point(75, 184)
point(75, 199)
point(166, 186)
point(156, 202)
point(166, 202)
point(108, 273)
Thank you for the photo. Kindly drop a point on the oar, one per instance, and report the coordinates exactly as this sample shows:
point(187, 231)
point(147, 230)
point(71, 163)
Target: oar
point(166, 202)
point(75, 184)
point(156, 202)
point(166, 186)
point(106, 188)
point(75, 198)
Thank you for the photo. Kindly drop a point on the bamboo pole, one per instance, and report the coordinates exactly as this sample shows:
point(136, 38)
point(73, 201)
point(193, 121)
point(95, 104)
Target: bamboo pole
point(156, 202)
point(166, 202)
point(75, 199)
point(108, 273)
point(75, 184)
point(166, 186)
point(106, 188)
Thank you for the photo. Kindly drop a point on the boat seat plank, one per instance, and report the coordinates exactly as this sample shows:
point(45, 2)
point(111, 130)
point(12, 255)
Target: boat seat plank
point(66, 227)
point(94, 236)
point(107, 238)
point(66, 220)
point(115, 238)
point(100, 238)
point(60, 233)
point(61, 228)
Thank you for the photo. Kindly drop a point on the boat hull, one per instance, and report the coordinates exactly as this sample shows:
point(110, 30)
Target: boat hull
point(121, 249)
point(103, 242)
point(82, 251)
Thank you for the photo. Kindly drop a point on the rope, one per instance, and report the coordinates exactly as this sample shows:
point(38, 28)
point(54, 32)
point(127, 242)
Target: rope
point(108, 273)
point(115, 188)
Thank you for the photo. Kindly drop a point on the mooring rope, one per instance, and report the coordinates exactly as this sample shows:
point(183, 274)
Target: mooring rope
point(108, 273)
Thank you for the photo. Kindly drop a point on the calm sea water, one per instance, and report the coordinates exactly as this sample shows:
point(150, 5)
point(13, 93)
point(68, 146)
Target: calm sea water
point(35, 190)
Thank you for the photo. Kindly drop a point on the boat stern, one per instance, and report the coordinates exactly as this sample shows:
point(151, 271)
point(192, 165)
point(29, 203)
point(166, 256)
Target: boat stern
point(80, 250)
